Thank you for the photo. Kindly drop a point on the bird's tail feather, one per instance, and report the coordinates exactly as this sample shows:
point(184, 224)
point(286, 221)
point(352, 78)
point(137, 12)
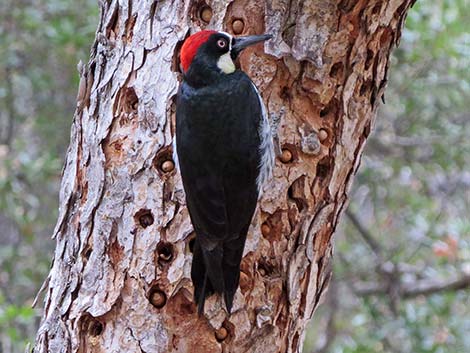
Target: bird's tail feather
point(217, 270)
point(206, 273)
point(233, 252)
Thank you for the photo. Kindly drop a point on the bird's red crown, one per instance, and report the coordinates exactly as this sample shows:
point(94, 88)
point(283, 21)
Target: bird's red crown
point(190, 47)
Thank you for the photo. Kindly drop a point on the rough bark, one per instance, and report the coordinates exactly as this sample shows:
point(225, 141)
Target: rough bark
point(120, 276)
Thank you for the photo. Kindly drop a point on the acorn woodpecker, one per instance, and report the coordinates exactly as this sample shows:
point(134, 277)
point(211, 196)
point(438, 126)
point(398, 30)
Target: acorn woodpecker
point(225, 153)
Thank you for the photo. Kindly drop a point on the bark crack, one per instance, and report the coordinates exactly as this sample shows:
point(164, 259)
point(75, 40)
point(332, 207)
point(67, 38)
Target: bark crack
point(137, 340)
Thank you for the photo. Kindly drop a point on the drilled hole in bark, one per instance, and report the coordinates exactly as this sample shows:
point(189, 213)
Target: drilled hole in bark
point(128, 100)
point(168, 166)
point(264, 268)
point(205, 13)
point(165, 252)
point(330, 109)
point(337, 70)
point(201, 13)
point(296, 192)
point(238, 26)
point(221, 334)
point(369, 59)
point(323, 168)
point(265, 229)
point(126, 103)
point(95, 328)
point(288, 154)
point(225, 332)
point(275, 225)
point(324, 112)
point(163, 161)
point(157, 297)
point(144, 217)
point(323, 134)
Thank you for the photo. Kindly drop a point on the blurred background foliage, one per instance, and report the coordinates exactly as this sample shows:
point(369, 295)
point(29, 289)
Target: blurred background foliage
point(402, 262)
point(40, 44)
point(402, 257)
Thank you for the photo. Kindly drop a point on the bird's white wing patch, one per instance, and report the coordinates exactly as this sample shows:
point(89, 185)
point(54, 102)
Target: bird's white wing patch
point(266, 147)
point(175, 154)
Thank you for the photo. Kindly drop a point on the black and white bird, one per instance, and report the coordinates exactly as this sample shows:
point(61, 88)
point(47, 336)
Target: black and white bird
point(224, 150)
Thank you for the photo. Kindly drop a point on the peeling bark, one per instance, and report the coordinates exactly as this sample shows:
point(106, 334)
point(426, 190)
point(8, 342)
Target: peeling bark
point(120, 280)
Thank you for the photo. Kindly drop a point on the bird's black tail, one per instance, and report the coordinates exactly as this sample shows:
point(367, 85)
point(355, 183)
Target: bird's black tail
point(233, 252)
point(216, 270)
point(206, 273)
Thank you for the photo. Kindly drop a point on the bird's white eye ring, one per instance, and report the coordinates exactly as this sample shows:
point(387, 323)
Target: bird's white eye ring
point(222, 43)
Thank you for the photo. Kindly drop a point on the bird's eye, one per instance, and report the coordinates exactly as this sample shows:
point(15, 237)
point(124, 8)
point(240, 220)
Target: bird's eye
point(222, 43)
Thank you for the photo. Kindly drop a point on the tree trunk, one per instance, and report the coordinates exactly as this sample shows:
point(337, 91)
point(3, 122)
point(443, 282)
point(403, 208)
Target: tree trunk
point(120, 279)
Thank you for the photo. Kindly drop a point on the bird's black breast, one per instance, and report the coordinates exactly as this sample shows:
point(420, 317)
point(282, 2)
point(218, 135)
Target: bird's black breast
point(218, 141)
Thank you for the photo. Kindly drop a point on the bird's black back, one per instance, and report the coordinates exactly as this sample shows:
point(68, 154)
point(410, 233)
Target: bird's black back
point(217, 141)
point(218, 151)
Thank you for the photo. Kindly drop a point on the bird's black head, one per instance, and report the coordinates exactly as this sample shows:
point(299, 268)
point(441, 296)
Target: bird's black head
point(208, 55)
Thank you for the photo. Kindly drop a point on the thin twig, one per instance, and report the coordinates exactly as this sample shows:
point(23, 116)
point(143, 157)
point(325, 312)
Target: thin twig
point(408, 291)
point(364, 232)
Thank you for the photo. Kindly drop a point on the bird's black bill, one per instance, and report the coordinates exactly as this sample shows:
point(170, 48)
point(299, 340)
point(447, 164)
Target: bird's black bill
point(241, 43)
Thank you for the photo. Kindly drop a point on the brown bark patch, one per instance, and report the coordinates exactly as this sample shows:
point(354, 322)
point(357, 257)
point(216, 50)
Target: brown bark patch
point(129, 29)
point(182, 320)
point(276, 226)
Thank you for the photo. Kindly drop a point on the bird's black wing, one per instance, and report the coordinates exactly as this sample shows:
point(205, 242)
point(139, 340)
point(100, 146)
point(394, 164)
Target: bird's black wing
point(218, 153)
point(217, 141)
